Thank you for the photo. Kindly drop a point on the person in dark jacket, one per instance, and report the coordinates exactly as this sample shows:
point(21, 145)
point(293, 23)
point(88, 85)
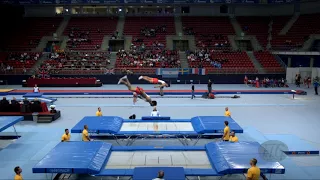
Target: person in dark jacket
point(316, 85)
point(209, 86)
point(192, 92)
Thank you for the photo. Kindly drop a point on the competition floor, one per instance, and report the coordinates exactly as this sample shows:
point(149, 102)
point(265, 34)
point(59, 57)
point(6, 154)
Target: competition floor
point(259, 115)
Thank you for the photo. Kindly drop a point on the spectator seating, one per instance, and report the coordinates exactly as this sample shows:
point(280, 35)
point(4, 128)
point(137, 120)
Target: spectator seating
point(31, 31)
point(257, 26)
point(18, 61)
point(299, 32)
point(268, 61)
point(209, 30)
point(73, 61)
point(133, 26)
point(148, 58)
point(232, 61)
point(96, 27)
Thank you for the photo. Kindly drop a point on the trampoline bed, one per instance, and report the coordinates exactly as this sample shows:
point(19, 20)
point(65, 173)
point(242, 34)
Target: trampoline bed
point(149, 127)
point(142, 162)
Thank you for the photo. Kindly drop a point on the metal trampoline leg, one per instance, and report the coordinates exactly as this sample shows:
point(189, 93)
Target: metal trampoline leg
point(197, 140)
point(117, 140)
point(15, 131)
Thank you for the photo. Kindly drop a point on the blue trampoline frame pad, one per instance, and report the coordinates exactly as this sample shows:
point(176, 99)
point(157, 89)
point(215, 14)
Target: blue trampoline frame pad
point(32, 95)
point(7, 121)
point(92, 157)
point(113, 124)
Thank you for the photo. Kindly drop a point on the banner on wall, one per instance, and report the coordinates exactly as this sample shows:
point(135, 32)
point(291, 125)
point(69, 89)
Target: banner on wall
point(168, 72)
point(174, 72)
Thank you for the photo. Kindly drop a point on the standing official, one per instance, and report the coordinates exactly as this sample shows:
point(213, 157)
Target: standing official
point(192, 92)
point(316, 85)
point(209, 86)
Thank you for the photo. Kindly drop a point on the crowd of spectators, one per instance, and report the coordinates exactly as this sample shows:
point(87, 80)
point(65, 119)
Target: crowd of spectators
point(78, 36)
point(20, 105)
point(205, 55)
point(18, 60)
point(152, 32)
point(154, 56)
point(75, 60)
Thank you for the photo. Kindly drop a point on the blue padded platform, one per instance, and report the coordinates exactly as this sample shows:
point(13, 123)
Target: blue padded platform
point(75, 158)
point(7, 121)
point(103, 124)
point(149, 173)
point(214, 124)
point(112, 125)
point(155, 118)
point(233, 158)
point(33, 95)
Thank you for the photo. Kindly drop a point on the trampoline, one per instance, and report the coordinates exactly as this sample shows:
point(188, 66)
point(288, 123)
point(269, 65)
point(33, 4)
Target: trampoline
point(155, 127)
point(7, 121)
point(142, 162)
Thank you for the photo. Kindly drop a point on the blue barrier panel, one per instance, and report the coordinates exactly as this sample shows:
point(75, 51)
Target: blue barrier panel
point(234, 158)
point(155, 118)
point(33, 95)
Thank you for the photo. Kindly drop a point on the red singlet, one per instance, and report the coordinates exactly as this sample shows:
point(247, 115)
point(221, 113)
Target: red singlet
point(155, 81)
point(139, 90)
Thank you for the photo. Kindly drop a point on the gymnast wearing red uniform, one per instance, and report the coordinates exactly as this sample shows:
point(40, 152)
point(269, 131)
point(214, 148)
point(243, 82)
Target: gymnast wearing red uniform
point(138, 90)
point(154, 81)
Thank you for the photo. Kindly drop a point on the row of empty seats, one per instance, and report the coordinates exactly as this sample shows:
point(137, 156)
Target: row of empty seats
point(208, 31)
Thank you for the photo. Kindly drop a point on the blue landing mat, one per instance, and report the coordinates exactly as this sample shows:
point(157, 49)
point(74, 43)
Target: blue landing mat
point(294, 143)
point(74, 158)
point(7, 121)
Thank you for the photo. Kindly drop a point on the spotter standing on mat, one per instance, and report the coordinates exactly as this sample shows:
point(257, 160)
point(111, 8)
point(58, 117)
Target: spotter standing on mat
point(138, 90)
point(160, 84)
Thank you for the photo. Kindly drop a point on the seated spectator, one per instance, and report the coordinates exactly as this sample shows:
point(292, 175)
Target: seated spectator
point(233, 137)
point(4, 101)
point(160, 176)
point(14, 101)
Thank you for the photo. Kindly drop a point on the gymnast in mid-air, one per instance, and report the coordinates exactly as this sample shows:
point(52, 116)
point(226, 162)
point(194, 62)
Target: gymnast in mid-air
point(160, 84)
point(138, 90)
